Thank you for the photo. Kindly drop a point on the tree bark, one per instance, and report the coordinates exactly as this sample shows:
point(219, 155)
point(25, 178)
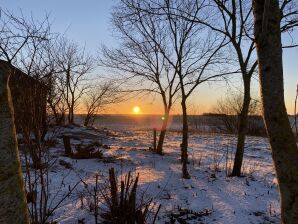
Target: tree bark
point(162, 133)
point(267, 16)
point(67, 146)
point(86, 121)
point(71, 110)
point(184, 145)
point(242, 128)
point(13, 207)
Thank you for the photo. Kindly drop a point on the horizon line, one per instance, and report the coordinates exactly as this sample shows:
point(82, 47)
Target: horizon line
point(148, 114)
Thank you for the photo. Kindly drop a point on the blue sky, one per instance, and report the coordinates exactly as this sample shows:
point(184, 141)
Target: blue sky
point(88, 23)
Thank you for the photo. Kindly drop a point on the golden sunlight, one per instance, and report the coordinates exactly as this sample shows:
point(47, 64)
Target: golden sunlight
point(136, 110)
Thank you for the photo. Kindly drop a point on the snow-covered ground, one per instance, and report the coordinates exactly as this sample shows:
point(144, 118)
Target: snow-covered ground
point(249, 199)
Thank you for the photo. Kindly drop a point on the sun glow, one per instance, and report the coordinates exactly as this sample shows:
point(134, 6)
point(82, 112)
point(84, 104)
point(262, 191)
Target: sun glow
point(136, 110)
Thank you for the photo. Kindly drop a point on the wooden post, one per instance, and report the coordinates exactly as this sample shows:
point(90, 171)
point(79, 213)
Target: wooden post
point(67, 146)
point(154, 139)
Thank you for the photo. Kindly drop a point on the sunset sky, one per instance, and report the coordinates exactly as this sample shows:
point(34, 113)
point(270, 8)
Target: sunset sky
point(88, 23)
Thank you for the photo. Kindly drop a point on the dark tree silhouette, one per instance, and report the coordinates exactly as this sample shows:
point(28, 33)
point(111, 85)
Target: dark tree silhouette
point(267, 31)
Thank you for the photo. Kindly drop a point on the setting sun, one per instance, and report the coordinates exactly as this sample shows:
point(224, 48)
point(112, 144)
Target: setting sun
point(136, 110)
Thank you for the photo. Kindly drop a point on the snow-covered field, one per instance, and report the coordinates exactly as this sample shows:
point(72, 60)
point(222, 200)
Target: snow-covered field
point(249, 199)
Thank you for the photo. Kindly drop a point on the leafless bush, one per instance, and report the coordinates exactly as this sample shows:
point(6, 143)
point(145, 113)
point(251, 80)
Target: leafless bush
point(228, 161)
point(31, 120)
point(249, 169)
point(37, 159)
point(229, 110)
point(217, 157)
point(91, 198)
point(42, 203)
point(194, 119)
point(196, 161)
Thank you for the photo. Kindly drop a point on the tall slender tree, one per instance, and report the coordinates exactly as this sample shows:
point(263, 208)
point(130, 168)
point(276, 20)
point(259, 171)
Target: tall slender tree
point(267, 32)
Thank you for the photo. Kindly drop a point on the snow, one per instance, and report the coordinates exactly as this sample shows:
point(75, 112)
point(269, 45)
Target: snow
point(242, 200)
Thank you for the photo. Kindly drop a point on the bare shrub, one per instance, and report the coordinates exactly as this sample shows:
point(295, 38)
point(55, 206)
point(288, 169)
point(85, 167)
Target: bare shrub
point(42, 203)
point(228, 161)
point(217, 157)
point(249, 169)
point(196, 160)
point(229, 110)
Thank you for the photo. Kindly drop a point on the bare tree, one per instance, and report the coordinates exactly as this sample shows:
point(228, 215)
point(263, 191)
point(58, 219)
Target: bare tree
point(237, 26)
point(196, 56)
point(98, 98)
point(267, 31)
point(140, 57)
point(233, 19)
point(192, 52)
point(73, 66)
point(56, 105)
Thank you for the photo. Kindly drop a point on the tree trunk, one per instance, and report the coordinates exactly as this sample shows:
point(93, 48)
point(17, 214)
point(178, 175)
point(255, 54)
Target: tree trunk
point(162, 133)
point(242, 128)
point(281, 137)
point(13, 207)
point(67, 146)
point(62, 119)
point(184, 145)
point(87, 120)
point(70, 115)
point(71, 112)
